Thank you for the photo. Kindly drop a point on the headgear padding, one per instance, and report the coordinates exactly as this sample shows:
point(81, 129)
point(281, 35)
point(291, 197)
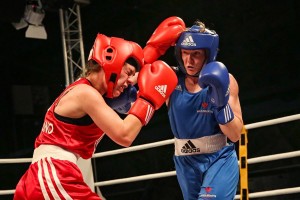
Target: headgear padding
point(197, 37)
point(111, 53)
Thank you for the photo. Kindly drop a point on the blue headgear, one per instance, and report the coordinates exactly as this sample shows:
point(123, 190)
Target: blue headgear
point(197, 37)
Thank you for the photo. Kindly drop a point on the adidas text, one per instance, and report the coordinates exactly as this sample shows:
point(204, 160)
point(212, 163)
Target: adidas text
point(188, 44)
point(194, 150)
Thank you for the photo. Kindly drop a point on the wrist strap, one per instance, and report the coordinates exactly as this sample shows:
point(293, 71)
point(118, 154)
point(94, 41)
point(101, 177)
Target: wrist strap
point(224, 115)
point(143, 110)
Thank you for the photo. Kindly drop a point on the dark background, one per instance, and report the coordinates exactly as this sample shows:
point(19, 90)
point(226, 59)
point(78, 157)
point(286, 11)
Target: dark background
point(259, 43)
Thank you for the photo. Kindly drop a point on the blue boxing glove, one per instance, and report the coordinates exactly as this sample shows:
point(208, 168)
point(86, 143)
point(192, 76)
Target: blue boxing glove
point(122, 103)
point(215, 76)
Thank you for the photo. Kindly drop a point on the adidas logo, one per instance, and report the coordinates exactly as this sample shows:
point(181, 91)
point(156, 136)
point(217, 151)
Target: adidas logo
point(188, 41)
point(189, 147)
point(178, 87)
point(162, 89)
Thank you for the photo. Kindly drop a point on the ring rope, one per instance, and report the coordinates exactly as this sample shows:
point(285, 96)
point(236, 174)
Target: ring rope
point(273, 157)
point(273, 122)
point(173, 173)
point(250, 161)
point(165, 142)
point(15, 160)
point(134, 148)
point(272, 193)
point(136, 178)
point(6, 192)
point(171, 141)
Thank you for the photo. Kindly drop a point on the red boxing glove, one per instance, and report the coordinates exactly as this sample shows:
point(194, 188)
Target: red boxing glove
point(165, 35)
point(156, 82)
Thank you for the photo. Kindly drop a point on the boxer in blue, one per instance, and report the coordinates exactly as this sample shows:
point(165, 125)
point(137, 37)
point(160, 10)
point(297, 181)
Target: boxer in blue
point(204, 111)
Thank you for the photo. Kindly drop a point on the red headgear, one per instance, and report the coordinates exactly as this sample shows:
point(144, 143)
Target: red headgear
point(111, 53)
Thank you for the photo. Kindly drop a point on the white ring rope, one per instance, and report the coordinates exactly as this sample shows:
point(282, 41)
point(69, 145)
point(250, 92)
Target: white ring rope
point(136, 178)
point(6, 192)
point(135, 148)
point(279, 156)
point(171, 141)
point(15, 160)
point(272, 193)
point(173, 173)
point(273, 121)
point(166, 142)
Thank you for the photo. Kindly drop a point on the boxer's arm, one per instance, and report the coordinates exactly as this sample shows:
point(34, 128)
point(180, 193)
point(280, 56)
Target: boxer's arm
point(234, 128)
point(124, 131)
point(223, 94)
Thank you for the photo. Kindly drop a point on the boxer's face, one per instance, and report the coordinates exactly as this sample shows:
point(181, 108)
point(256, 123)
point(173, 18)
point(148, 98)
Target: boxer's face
point(127, 77)
point(193, 60)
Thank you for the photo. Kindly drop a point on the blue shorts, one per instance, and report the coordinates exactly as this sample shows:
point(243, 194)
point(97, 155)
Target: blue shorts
point(208, 176)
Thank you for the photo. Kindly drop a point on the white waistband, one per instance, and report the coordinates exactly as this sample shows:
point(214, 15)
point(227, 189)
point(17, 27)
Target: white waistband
point(203, 145)
point(53, 151)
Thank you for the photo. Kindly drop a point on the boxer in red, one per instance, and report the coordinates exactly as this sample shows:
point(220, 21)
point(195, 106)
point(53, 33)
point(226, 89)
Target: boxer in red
point(77, 120)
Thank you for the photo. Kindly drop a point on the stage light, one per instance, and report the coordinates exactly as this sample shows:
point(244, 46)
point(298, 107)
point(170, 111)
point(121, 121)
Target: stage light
point(33, 18)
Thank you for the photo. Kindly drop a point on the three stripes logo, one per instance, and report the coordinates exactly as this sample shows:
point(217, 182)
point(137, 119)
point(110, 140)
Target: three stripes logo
point(162, 89)
point(188, 41)
point(149, 113)
point(227, 113)
point(189, 147)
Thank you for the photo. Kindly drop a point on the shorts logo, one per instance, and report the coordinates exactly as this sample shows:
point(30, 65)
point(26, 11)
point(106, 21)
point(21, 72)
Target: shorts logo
point(161, 89)
point(189, 147)
point(208, 194)
point(208, 189)
point(188, 41)
point(47, 127)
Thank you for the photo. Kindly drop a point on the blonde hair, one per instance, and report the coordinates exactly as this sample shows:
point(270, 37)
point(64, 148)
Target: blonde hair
point(91, 66)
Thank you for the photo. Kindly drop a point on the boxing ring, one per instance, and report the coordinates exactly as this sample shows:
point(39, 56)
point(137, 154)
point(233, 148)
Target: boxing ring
point(243, 162)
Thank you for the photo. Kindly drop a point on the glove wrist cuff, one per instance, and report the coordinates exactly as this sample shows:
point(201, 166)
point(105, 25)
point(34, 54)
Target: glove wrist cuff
point(143, 110)
point(224, 115)
point(151, 54)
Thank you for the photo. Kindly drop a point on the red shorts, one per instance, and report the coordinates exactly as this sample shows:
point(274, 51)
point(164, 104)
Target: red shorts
point(50, 178)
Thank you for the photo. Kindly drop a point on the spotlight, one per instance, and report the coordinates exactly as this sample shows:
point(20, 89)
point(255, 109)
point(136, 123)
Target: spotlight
point(33, 17)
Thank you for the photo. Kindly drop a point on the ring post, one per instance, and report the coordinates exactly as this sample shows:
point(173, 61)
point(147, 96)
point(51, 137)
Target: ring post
point(243, 165)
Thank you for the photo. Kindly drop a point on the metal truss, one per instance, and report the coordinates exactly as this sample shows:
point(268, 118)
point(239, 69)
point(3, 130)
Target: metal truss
point(73, 49)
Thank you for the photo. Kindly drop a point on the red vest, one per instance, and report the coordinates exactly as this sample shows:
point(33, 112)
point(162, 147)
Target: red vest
point(79, 139)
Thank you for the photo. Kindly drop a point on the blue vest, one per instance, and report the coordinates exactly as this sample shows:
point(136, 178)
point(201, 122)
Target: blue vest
point(191, 114)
